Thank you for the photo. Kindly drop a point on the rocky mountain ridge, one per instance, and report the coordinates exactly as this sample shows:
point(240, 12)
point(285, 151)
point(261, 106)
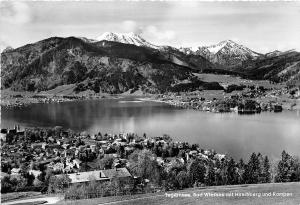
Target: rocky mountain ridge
point(102, 66)
point(119, 63)
point(226, 53)
point(127, 38)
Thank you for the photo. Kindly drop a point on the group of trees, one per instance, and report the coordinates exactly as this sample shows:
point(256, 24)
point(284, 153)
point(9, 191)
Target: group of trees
point(219, 172)
point(195, 172)
point(22, 182)
point(288, 169)
point(178, 174)
point(26, 181)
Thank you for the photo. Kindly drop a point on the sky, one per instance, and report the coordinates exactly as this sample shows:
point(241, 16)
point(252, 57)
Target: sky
point(261, 26)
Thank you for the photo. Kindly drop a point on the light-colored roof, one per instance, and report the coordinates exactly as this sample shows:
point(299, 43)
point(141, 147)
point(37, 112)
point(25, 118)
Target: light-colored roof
point(97, 175)
point(15, 170)
point(77, 161)
point(35, 172)
point(116, 173)
point(86, 176)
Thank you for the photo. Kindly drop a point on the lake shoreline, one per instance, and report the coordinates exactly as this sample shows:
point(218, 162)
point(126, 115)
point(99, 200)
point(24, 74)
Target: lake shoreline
point(156, 117)
point(196, 100)
point(11, 99)
point(197, 103)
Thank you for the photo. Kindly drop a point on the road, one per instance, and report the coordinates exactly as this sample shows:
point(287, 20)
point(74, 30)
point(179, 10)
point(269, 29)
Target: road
point(50, 200)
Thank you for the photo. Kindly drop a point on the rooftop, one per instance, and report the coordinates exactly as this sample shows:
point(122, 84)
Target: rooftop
point(97, 175)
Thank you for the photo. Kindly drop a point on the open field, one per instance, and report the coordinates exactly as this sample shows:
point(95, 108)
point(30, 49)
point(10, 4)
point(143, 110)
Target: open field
point(229, 79)
point(278, 194)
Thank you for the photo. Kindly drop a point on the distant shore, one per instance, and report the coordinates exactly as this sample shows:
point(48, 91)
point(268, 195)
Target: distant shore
point(10, 99)
point(195, 100)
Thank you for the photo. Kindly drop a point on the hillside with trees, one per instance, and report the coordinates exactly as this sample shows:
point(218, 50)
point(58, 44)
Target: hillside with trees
point(103, 66)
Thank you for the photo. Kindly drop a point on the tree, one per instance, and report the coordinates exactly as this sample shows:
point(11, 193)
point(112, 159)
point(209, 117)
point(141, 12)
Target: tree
point(288, 169)
point(232, 175)
point(165, 153)
point(5, 167)
point(261, 176)
point(37, 182)
point(29, 178)
point(172, 170)
point(223, 172)
point(210, 175)
point(196, 171)
point(266, 170)
point(284, 168)
point(41, 176)
point(121, 151)
point(19, 183)
point(183, 179)
point(58, 184)
point(105, 163)
point(296, 170)
point(252, 170)
point(171, 180)
point(241, 171)
point(143, 164)
point(45, 178)
point(6, 185)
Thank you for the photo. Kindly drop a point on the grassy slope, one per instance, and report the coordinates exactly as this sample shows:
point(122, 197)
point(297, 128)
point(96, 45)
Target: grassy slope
point(224, 80)
point(161, 199)
point(228, 79)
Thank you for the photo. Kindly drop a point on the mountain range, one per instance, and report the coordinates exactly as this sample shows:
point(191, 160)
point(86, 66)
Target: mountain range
point(226, 53)
point(116, 63)
point(127, 38)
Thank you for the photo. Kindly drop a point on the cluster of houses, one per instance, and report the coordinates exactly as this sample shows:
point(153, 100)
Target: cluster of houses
point(77, 156)
point(234, 102)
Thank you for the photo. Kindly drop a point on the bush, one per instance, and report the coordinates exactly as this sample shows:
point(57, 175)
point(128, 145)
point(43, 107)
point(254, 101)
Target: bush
point(58, 184)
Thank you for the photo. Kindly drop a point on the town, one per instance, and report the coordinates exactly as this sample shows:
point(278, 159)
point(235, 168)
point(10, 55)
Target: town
point(241, 99)
point(55, 160)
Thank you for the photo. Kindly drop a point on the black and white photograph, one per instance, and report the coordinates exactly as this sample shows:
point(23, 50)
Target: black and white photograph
point(145, 102)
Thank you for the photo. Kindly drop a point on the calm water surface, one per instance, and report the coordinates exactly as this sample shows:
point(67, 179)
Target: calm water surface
point(237, 135)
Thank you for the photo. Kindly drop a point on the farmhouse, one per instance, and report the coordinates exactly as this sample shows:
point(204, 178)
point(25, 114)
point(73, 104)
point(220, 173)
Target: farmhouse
point(99, 175)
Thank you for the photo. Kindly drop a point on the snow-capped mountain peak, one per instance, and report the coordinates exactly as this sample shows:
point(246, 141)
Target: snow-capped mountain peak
point(225, 52)
point(127, 38)
point(273, 53)
point(217, 47)
point(231, 47)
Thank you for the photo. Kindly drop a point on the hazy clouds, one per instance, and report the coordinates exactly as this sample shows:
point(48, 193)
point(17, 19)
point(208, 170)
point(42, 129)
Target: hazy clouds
point(15, 12)
point(262, 26)
point(149, 31)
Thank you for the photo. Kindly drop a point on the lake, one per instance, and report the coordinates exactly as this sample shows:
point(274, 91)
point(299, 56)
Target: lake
point(230, 133)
